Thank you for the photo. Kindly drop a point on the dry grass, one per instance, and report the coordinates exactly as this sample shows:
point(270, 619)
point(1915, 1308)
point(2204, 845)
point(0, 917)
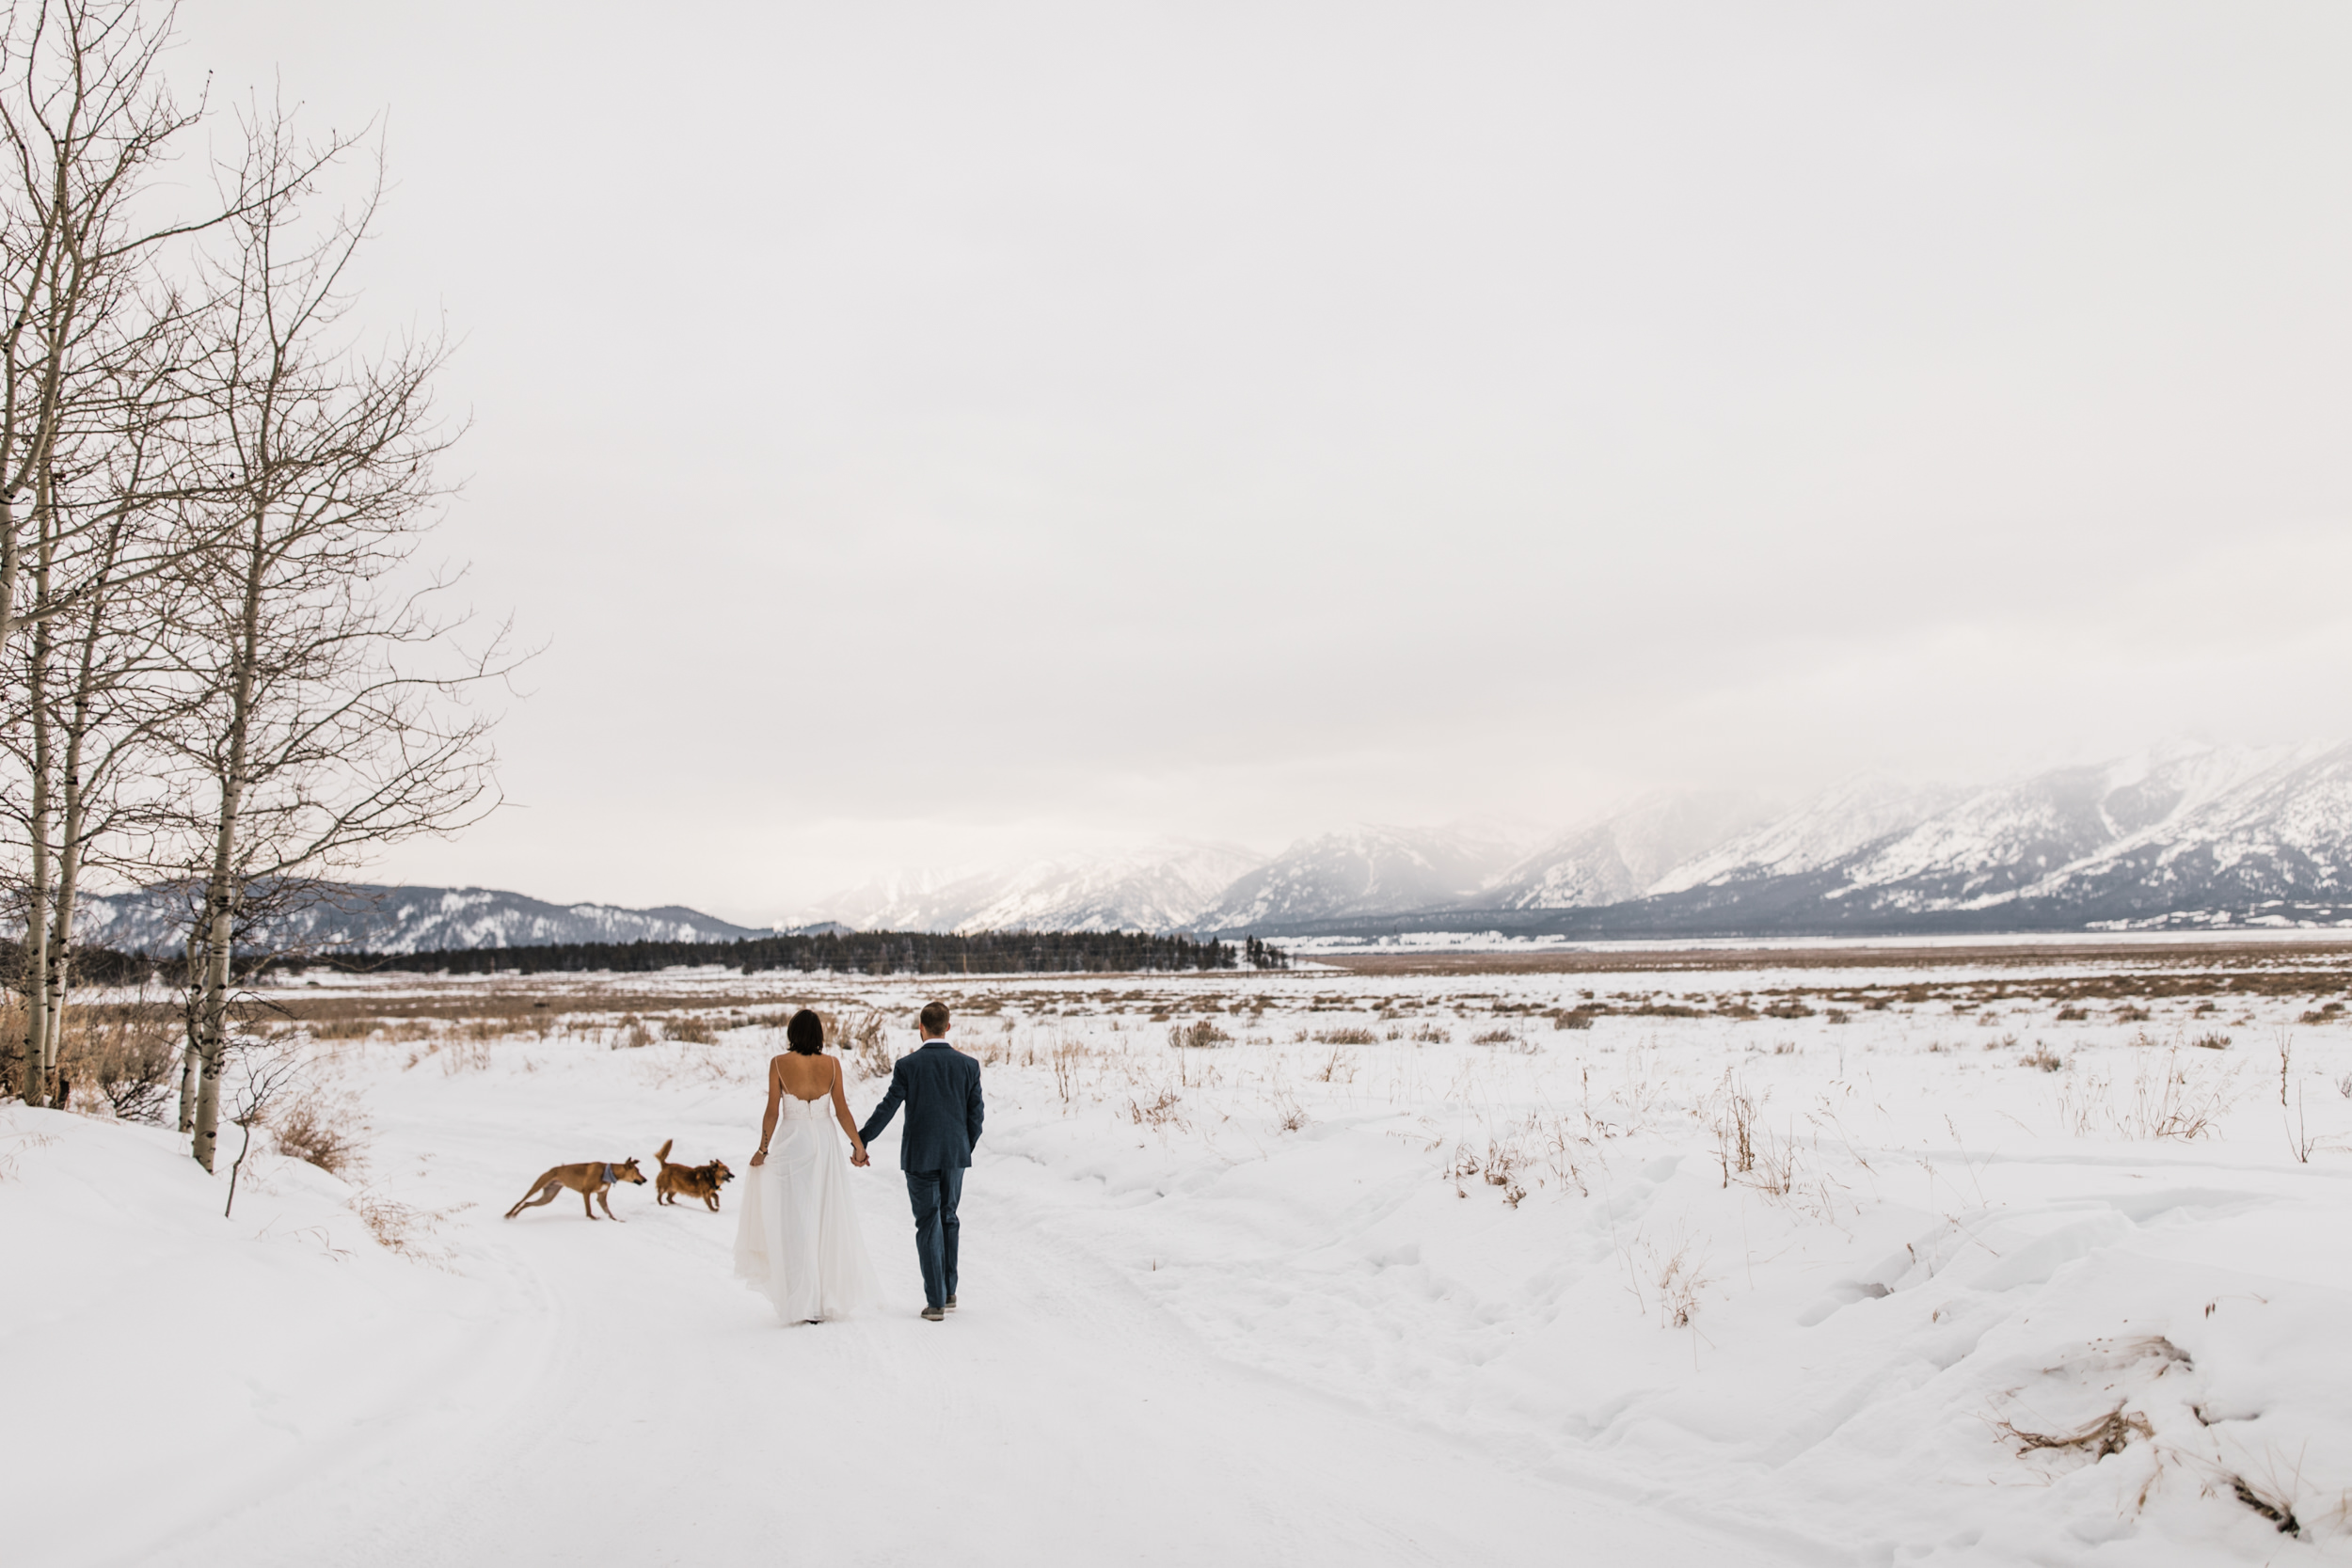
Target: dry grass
point(1346, 1037)
point(2278, 1510)
point(1734, 1131)
point(465, 1055)
point(1160, 1111)
point(2099, 1438)
point(403, 1227)
point(18, 1145)
point(1201, 1034)
point(863, 1038)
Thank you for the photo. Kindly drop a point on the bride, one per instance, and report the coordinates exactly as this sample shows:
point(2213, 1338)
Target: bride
point(798, 1241)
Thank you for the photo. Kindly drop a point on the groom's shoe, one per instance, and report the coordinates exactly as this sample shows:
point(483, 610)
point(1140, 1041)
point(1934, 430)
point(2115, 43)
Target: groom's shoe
point(951, 1304)
point(935, 1315)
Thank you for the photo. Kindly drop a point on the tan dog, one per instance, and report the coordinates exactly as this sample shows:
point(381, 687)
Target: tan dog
point(702, 1181)
point(593, 1179)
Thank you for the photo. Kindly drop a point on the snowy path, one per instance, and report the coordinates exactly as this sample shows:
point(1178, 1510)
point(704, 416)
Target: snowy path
point(1059, 1417)
point(1332, 1293)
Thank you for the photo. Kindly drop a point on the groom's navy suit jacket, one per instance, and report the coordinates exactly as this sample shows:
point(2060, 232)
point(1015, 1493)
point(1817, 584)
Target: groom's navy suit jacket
point(941, 1088)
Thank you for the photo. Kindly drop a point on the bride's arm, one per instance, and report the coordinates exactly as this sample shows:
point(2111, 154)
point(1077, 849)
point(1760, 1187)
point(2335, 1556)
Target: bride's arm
point(841, 1109)
point(768, 1123)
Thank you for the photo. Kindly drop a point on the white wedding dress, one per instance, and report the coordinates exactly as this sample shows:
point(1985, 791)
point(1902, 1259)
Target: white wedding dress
point(798, 1241)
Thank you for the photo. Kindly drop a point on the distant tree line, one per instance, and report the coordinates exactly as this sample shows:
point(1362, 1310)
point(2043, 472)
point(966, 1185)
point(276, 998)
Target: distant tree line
point(852, 953)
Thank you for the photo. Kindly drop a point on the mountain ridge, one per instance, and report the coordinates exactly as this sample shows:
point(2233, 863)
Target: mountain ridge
point(383, 918)
point(2179, 836)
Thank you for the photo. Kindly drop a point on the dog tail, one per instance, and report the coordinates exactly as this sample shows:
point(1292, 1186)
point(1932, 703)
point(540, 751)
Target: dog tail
point(662, 1154)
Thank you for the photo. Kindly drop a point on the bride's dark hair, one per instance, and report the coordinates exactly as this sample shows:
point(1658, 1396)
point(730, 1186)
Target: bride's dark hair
point(805, 1034)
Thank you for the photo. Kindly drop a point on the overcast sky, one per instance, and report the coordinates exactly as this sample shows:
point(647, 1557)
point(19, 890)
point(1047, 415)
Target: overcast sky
point(937, 433)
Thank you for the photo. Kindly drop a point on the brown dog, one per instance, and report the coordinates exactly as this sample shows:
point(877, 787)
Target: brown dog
point(702, 1181)
point(595, 1179)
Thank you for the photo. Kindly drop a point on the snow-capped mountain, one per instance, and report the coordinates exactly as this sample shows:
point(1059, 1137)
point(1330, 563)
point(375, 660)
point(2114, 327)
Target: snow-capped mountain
point(2181, 836)
point(1848, 816)
point(1624, 854)
point(1363, 870)
point(1161, 886)
point(926, 899)
point(382, 919)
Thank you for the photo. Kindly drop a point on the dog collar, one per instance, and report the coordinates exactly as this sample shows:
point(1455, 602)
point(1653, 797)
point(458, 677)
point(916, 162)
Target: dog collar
point(610, 1180)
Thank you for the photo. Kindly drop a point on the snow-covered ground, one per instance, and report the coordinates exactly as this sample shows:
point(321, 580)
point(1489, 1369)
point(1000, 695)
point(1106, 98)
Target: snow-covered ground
point(1400, 1271)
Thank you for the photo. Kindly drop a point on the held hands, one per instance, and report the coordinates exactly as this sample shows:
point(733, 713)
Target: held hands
point(861, 1157)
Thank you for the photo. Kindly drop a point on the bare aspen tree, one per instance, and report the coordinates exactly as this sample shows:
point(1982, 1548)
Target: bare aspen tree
point(324, 733)
point(102, 692)
point(84, 112)
point(86, 116)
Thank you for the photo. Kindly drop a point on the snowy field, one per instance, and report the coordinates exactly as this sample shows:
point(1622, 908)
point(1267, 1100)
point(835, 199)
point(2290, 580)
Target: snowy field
point(1965, 1257)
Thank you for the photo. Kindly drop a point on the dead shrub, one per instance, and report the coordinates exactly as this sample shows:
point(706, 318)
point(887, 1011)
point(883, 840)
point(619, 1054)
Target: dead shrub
point(2072, 1015)
point(130, 1053)
point(1495, 1037)
point(2042, 1058)
point(690, 1029)
point(1346, 1037)
point(1574, 1017)
point(2211, 1042)
point(1203, 1035)
point(1437, 1033)
point(327, 1132)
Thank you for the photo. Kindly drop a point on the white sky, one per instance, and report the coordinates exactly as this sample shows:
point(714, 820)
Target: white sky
point(934, 433)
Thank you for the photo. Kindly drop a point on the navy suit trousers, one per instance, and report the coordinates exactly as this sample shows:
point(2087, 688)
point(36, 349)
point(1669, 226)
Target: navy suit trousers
point(934, 1195)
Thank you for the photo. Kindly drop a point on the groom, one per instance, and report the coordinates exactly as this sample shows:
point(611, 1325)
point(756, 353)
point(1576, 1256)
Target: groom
point(941, 1086)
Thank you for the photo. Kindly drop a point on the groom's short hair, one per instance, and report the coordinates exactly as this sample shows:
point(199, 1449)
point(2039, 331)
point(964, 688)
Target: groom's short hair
point(934, 1018)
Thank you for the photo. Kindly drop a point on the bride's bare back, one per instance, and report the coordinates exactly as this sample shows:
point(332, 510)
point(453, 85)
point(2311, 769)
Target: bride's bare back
point(807, 1078)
